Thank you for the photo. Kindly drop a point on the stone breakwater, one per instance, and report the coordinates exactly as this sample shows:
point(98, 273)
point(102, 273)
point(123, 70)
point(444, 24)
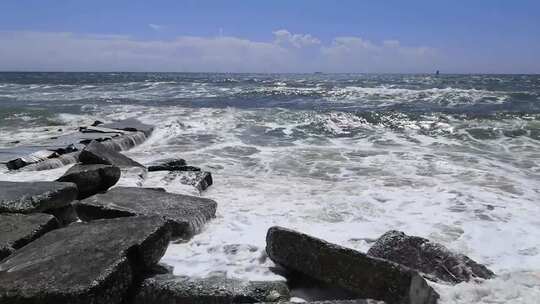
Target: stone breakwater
point(86, 238)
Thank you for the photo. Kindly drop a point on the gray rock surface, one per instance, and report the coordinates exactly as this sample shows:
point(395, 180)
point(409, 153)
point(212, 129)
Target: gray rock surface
point(170, 289)
point(170, 164)
point(130, 124)
point(17, 230)
point(97, 153)
point(84, 263)
point(91, 179)
point(201, 180)
point(366, 276)
point(31, 197)
point(187, 213)
point(32, 158)
point(431, 258)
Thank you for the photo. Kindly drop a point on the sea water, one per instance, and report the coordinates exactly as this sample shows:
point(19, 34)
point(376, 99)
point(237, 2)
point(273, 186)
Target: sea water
point(453, 158)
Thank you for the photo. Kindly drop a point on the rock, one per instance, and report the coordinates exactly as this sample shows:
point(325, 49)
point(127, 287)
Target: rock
point(17, 230)
point(366, 276)
point(130, 124)
point(97, 153)
point(171, 164)
point(32, 158)
point(170, 289)
point(187, 213)
point(31, 197)
point(96, 123)
point(433, 259)
point(84, 263)
point(200, 180)
point(91, 179)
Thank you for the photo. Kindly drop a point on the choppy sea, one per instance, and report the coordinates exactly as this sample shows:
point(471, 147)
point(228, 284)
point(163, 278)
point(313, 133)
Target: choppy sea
point(346, 157)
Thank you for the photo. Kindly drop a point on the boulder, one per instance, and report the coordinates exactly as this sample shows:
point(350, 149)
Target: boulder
point(365, 276)
point(187, 214)
point(97, 153)
point(17, 230)
point(201, 180)
point(130, 124)
point(91, 179)
point(433, 259)
point(171, 164)
point(84, 263)
point(170, 289)
point(31, 197)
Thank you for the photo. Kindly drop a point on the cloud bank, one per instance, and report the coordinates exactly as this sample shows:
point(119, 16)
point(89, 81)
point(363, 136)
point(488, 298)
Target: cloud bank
point(286, 52)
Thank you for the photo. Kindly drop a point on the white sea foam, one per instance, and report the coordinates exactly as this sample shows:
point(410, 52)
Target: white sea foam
point(311, 172)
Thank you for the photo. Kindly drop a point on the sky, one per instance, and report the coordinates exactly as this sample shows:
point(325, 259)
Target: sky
point(346, 36)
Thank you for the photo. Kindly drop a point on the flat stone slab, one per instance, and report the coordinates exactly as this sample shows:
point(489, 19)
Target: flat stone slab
point(170, 289)
point(31, 197)
point(365, 276)
point(187, 214)
point(17, 230)
point(84, 263)
point(98, 153)
point(433, 259)
point(130, 124)
point(91, 179)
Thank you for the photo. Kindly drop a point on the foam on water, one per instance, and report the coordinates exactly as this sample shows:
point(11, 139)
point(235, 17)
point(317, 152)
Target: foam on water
point(469, 181)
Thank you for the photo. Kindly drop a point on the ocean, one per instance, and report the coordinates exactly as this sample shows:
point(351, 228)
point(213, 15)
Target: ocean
point(344, 157)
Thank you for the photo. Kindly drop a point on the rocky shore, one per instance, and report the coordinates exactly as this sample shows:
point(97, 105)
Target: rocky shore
point(88, 238)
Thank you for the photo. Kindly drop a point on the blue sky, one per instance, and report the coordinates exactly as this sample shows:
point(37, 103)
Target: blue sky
point(271, 36)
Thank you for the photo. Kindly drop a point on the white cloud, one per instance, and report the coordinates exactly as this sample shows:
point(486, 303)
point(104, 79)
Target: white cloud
point(285, 37)
point(155, 27)
point(288, 52)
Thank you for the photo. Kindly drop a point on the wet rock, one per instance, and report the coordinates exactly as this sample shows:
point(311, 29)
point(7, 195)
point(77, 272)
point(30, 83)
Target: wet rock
point(171, 164)
point(91, 179)
point(31, 197)
point(32, 158)
point(186, 213)
point(169, 289)
point(201, 180)
point(17, 230)
point(130, 124)
point(97, 153)
point(53, 163)
point(431, 258)
point(84, 263)
point(365, 276)
point(65, 215)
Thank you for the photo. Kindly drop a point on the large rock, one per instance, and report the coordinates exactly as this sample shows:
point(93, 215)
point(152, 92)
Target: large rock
point(130, 124)
point(84, 263)
point(31, 197)
point(97, 153)
point(368, 277)
point(186, 213)
point(170, 289)
point(433, 259)
point(91, 179)
point(17, 230)
point(201, 180)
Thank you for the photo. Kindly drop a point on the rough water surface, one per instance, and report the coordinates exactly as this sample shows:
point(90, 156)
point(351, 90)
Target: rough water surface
point(454, 159)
